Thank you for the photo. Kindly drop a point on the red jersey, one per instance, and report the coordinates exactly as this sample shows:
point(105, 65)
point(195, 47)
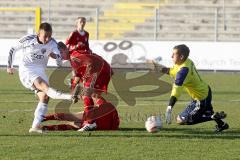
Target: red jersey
point(92, 69)
point(78, 41)
point(105, 115)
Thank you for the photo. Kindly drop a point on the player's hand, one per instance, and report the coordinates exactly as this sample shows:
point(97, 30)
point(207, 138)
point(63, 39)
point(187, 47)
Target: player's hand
point(75, 94)
point(152, 65)
point(168, 114)
point(10, 70)
point(157, 67)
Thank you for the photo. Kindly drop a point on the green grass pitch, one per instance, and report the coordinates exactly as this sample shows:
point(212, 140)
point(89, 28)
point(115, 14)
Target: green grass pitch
point(132, 141)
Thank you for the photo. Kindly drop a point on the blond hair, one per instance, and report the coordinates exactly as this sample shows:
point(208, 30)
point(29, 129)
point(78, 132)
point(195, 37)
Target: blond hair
point(80, 19)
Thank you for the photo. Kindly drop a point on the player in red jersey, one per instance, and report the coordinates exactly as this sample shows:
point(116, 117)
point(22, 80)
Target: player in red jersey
point(78, 39)
point(93, 72)
point(105, 116)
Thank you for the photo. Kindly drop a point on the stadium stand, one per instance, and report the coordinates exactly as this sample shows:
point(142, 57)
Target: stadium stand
point(192, 20)
point(62, 15)
point(187, 20)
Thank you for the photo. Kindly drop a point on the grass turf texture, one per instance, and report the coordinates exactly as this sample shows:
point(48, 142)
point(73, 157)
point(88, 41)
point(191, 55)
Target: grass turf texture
point(17, 105)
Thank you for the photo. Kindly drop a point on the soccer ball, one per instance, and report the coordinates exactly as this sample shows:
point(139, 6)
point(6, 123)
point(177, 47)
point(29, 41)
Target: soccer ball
point(153, 124)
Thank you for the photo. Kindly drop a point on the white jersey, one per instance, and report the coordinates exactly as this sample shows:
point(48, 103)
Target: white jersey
point(33, 59)
point(34, 55)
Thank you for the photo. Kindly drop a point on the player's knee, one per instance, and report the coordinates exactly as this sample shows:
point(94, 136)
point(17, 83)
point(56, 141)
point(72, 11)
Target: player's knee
point(41, 84)
point(43, 97)
point(46, 98)
point(181, 120)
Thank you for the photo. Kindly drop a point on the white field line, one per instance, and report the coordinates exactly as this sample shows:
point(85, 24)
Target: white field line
point(160, 103)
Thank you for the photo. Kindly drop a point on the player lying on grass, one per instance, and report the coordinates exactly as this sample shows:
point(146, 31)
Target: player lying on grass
point(105, 117)
point(36, 50)
point(93, 72)
point(186, 77)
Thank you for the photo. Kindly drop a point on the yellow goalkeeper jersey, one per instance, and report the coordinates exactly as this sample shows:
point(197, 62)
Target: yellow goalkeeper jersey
point(186, 77)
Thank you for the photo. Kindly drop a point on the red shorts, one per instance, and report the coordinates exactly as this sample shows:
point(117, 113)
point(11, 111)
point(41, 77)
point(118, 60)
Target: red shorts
point(106, 117)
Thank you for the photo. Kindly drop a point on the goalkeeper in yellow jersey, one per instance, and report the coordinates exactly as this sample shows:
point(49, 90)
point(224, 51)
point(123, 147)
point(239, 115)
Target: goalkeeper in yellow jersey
point(186, 77)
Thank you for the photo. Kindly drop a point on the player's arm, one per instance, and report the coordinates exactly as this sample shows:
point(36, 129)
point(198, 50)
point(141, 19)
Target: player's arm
point(57, 57)
point(178, 84)
point(74, 81)
point(176, 90)
point(87, 43)
point(10, 68)
point(71, 45)
point(55, 54)
point(158, 67)
point(12, 51)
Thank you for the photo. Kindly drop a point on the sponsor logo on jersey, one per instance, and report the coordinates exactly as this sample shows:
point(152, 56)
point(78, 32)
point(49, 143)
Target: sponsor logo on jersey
point(37, 56)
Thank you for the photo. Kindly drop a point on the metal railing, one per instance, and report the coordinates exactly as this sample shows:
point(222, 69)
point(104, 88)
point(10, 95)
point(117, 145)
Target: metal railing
point(211, 23)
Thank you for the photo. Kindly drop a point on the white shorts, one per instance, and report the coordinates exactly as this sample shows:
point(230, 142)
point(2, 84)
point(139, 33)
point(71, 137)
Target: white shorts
point(27, 77)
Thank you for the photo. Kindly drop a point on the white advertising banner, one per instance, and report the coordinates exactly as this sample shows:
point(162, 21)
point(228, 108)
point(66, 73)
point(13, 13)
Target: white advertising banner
point(206, 55)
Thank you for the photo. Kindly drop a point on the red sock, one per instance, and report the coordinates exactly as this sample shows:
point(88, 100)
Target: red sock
point(59, 127)
point(55, 116)
point(88, 106)
point(88, 103)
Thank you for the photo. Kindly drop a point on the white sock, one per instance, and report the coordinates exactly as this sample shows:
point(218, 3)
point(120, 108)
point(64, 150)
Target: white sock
point(39, 113)
point(54, 94)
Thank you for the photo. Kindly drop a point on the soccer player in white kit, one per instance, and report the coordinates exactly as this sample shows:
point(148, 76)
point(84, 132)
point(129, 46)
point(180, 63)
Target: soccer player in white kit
point(36, 50)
